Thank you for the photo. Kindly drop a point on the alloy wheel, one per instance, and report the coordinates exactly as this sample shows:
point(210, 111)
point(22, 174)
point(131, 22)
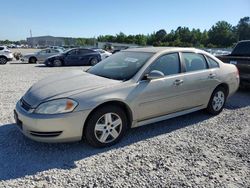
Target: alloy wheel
point(218, 100)
point(108, 128)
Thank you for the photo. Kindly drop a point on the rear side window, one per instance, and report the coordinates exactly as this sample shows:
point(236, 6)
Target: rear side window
point(212, 63)
point(1, 48)
point(194, 62)
point(168, 64)
point(83, 51)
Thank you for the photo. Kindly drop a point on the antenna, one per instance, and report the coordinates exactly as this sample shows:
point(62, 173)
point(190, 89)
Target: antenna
point(30, 33)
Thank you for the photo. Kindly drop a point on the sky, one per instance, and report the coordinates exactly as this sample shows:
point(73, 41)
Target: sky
point(91, 18)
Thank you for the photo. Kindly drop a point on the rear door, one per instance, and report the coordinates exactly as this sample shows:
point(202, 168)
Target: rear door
point(199, 81)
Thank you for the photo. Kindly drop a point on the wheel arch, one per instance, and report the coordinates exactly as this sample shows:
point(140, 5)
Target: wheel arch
point(225, 86)
point(118, 103)
point(32, 57)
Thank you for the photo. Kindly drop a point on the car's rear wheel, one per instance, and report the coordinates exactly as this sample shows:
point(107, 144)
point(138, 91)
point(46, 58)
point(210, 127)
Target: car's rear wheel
point(93, 61)
point(32, 60)
point(217, 101)
point(57, 63)
point(3, 60)
point(106, 126)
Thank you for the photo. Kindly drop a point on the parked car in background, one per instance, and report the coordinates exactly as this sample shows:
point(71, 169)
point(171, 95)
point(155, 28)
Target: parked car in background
point(5, 55)
point(76, 56)
point(131, 88)
point(40, 56)
point(104, 53)
point(240, 57)
point(57, 47)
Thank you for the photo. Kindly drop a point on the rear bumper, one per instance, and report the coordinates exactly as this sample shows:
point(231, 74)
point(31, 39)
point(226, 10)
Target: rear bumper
point(51, 128)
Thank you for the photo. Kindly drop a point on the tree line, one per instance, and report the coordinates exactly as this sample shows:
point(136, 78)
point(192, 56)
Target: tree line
point(220, 35)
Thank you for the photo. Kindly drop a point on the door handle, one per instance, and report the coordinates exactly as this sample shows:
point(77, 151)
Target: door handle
point(178, 82)
point(211, 76)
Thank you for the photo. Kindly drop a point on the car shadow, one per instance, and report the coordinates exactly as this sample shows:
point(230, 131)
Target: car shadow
point(240, 99)
point(20, 156)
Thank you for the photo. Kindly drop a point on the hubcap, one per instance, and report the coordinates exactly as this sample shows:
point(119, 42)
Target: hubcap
point(218, 100)
point(108, 127)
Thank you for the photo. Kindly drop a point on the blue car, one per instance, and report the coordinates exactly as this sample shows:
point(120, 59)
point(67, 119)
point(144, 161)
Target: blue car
point(75, 56)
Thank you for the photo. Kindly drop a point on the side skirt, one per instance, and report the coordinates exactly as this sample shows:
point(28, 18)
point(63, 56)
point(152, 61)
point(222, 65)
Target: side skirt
point(168, 116)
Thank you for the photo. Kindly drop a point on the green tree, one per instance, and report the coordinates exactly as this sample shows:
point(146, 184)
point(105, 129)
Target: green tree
point(221, 34)
point(243, 28)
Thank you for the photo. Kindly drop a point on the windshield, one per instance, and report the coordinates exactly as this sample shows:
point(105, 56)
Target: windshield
point(121, 66)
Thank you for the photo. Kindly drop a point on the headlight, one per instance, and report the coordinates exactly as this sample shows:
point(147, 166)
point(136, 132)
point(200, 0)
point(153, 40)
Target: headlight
point(57, 106)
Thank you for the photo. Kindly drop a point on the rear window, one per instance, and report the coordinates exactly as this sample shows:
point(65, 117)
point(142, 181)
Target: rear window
point(242, 49)
point(194, 62)
point(212, 63)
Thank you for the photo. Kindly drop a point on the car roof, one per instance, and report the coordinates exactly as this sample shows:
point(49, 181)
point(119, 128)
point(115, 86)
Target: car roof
point(160, 49)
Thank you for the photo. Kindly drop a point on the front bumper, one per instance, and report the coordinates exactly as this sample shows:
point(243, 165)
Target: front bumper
point(51, 128)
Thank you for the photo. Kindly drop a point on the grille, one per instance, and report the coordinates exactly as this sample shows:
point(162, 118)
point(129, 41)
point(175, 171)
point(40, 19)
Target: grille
point(45, 134)
point(25, 105)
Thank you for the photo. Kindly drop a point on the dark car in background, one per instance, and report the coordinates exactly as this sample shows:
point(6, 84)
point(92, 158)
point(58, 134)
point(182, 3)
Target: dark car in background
point(75, 56)
point(240, 57)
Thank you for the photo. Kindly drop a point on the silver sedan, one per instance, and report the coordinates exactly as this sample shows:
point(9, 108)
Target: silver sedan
point(40, 56)
point(129, 89)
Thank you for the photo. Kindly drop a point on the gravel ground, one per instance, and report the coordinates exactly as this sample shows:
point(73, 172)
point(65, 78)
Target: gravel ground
point(195, 150)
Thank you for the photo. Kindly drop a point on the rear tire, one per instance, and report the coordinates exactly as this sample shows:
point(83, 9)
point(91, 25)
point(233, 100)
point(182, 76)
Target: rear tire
point(106, 126)
point(217, 101)
point(3, 60)
point(93, 61)
point(32, 60)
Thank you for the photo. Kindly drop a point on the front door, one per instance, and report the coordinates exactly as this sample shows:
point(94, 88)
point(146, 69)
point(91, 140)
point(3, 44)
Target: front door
point(164, 95)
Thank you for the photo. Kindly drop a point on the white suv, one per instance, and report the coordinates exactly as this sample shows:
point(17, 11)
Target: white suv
point(5, 55)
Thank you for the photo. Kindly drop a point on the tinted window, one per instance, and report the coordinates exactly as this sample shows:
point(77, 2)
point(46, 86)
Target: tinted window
point(54, 51)
point(121, 66)
point(1, 48)
point(194, 62)
point(168, 64)
point(83, 51)
point(242, 48)
point(212, 63)
point(72, 52)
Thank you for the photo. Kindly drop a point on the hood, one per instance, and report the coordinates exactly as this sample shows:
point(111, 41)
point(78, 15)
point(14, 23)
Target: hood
point(30, 54)
point(56, 56)
point(64, 85)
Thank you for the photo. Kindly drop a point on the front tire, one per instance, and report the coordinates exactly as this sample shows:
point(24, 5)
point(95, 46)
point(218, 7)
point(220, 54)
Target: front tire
point(3, 60)
point(106, 126)
point(32, 60)
point(57, 63)
point(217, 101)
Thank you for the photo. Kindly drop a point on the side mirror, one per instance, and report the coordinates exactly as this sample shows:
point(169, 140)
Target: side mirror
point(154, 74)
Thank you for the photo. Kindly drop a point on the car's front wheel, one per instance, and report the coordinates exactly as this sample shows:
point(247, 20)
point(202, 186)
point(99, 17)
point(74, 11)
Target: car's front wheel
point(3, 60)
point(32, 60)
point(57, 63)
point(217, 101)
point(106, 126)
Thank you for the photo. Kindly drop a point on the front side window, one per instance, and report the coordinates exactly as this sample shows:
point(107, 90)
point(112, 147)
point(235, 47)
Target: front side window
point(194, 62)
point(121, 66)
point(167, 64)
